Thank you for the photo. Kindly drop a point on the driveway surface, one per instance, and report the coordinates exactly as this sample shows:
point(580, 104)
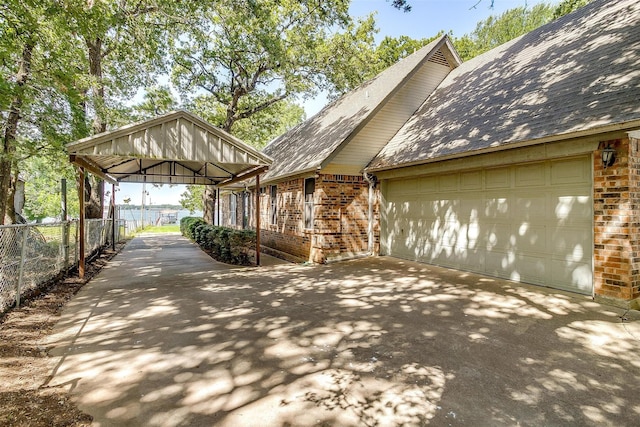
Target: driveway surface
point(165, 336)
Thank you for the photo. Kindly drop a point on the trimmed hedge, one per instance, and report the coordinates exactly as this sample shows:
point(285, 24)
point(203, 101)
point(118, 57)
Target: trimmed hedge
point(224, 244)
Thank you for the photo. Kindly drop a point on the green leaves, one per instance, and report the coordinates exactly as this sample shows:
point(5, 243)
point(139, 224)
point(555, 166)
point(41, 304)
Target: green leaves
point(251, 55)
point(497, 30)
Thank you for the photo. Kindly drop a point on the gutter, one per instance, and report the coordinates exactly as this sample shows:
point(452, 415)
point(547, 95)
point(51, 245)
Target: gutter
point(597, 133)
point(371, 179)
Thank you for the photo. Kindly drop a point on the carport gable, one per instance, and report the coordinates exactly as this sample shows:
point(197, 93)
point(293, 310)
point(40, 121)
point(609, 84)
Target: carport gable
point(175, 148)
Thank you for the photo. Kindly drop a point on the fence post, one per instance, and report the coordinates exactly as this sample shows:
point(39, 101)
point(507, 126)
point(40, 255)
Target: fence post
point(23, 254)
point(65, 244)
point(65, 224)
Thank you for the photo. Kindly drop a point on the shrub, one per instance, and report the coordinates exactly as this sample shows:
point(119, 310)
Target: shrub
point(188, 225)
point(224, 244)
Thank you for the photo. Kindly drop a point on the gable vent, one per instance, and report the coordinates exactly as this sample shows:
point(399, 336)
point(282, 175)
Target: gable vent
point(439, 58)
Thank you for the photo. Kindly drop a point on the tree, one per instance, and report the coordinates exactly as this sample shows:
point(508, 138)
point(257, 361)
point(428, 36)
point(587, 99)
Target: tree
point(497, 30)
point(125, 47)
point(249, 55)
point(35, 88)
point(393, 49)
point(192, 198)
point(257, 130)
point(401, 5)
point(568, 6)
point(42, 187)
point(157, 100)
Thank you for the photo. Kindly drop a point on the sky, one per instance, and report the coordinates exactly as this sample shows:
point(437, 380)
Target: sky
point(426, 19)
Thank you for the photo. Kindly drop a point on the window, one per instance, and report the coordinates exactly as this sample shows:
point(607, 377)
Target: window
point(309, 189)
point(274, 204)
point(246, 207)
point(233, 209)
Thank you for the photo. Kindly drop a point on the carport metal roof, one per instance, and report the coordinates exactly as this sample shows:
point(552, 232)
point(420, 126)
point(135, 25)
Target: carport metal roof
point(175, 148)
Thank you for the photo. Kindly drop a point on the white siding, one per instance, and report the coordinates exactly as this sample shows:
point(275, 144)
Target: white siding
point(370, 140)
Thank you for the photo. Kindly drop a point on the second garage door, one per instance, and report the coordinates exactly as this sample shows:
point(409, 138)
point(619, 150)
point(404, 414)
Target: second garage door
point(530, 222)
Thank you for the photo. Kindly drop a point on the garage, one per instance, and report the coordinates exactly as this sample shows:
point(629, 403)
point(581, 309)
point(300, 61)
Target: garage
point(529, 222)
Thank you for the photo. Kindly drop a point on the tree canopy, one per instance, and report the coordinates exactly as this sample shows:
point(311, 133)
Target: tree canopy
point(71, 69)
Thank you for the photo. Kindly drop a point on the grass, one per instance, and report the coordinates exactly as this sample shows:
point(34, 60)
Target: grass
point(172, 228)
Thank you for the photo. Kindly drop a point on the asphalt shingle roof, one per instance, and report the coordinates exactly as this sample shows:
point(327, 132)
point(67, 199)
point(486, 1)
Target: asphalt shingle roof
point(578, 73)
point(306, 146)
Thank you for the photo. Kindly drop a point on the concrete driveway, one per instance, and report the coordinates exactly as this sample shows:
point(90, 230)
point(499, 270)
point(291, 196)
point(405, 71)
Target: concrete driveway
point(165, 336)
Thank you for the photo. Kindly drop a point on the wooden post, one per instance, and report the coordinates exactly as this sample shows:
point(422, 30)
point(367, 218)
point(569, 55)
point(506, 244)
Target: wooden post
point(258, 219)
point(81, 231)
point(113, 217)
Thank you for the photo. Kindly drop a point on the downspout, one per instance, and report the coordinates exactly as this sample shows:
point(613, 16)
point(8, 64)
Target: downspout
point(371, 179)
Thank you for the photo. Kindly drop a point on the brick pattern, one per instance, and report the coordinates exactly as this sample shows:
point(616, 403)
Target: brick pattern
point(340, 218)
point(616, 228)
point(634, 226)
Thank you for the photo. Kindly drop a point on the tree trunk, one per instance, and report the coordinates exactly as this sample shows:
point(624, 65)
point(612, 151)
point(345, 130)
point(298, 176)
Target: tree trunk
point(208, 201)
point(8, 164)
point(94, 187)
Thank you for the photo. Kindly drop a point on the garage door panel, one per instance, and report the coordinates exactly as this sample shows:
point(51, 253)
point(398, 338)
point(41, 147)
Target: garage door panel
point(471, 207)
point(530, 222)
point(532, 238)
point(428, 184)
point(471, 181)
point(571, 207)
point(529, 268)
point(497, 263)
point(498, 237)
point(529, 208)
point(569, 171)
point(497, 207)
point(572, 276)
point(533, 175)
point(571, 244)
point(498, 178)
point(448, 183)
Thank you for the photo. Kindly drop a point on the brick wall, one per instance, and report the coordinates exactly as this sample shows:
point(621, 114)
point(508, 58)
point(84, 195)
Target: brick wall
point(341, 217)
point(616, 224)
point(340, 226)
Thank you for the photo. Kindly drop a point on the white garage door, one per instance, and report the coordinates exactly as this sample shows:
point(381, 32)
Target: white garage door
point(530, 222)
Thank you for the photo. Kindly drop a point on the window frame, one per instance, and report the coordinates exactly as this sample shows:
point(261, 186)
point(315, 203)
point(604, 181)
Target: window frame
point(309, 208)
point(273, 203)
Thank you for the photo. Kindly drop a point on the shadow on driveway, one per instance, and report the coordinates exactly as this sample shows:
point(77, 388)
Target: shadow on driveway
point(165, 336)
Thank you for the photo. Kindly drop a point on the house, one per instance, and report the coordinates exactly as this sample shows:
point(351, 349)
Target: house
point(523, 163)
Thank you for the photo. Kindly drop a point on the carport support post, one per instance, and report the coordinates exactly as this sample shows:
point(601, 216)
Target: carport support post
point(258, 219)
point(81, 231)
point(113, 217)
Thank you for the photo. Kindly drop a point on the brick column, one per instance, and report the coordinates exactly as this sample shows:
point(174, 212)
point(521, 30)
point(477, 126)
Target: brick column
point(616, 207)
point(341, 217)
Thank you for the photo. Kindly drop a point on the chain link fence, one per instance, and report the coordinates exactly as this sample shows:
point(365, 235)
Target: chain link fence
point(33, 254)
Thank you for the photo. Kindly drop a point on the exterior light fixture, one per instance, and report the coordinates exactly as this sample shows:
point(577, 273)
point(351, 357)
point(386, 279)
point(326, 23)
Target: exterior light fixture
point(608, 156)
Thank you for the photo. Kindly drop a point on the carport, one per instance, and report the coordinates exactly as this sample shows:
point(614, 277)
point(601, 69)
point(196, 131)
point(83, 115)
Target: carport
point(175, 148)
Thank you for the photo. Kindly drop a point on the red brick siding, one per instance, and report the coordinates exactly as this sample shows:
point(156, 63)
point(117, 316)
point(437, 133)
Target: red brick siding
point(340, 218)
point(616, 229)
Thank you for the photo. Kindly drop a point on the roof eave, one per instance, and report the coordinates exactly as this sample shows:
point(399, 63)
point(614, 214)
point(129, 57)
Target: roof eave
point(619, 127)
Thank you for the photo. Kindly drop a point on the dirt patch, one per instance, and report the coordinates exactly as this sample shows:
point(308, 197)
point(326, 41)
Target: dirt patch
point(25, 365)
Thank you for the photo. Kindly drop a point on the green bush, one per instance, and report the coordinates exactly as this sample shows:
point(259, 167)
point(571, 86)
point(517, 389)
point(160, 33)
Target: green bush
point(224, 244)
point(188, 225)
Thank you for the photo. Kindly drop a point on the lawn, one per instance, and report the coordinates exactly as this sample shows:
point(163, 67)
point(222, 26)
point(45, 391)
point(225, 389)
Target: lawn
point(172, 228)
